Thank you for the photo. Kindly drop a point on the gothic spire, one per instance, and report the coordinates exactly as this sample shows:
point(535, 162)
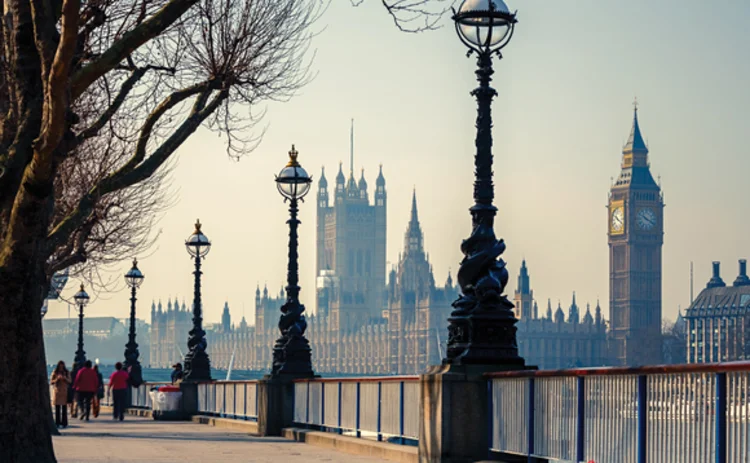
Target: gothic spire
point(549, 309)
point(340, 179)
point(588, 319)
point(413, 238)
point(635, 142)
point(414, 218)
point(380, 180)
point(323, 183)
point(362, 181)
point(559, 314)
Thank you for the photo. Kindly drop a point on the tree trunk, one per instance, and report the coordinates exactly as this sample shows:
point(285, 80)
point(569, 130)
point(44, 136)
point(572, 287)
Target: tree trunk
point(25, 412)
point(24, 391)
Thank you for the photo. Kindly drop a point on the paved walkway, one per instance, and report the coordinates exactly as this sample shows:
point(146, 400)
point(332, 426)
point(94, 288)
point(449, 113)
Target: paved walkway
point(146, 440)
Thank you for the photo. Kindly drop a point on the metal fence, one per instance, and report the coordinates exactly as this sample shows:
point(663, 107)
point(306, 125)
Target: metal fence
point(229, 399)
point(672, 414)
point(140, 397)
point(377, 408)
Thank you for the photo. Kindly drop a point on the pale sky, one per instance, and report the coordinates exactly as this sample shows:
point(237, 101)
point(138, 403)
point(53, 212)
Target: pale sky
point(563, 112)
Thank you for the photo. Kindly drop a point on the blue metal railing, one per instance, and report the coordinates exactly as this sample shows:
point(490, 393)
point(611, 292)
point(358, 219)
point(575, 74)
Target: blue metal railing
point(661, 414)
point(229, 399)
point(385, 408)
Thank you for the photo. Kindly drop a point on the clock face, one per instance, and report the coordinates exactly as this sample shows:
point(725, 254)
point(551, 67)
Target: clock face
point(646, 218)
point(618, 219)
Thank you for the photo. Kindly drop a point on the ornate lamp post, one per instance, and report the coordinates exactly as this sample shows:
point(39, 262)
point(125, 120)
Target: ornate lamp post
point(197, 364)
point(133, 278)
point(482, 328)
point(291, 354)
point(81, 298)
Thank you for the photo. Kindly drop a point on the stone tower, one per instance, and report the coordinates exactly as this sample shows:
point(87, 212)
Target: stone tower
point(636, 234)
point(351, 252)
point(417, 310)
point(523, 299)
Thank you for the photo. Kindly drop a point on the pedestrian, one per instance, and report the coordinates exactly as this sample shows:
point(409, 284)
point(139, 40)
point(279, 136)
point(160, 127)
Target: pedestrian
point(118, 389)
point(71, 391)
point(177, 373)
point(99, 392)
point(60, 381)
point(86, 384)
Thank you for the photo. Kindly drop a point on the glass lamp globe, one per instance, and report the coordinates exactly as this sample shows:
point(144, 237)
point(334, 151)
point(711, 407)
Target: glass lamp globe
point(134, 277)
point(197, 244)
point(485, 26)
point(81, 297)
point(293, 181)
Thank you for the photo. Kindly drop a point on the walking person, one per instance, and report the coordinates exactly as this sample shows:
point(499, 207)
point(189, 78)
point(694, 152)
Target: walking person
point(72, 402)
point(86, 384)
point(60, 381)
point(118, 389)
point(96, 404)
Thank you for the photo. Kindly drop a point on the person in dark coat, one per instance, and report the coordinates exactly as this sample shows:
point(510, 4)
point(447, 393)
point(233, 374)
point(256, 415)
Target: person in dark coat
point(99, 393)
point(177, 373)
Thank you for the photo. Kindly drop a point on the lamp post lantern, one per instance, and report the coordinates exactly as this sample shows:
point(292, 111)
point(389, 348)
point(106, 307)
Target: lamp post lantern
point(291, 353)
point(481, 328)
point(133, 278)
point(197, 363)
point(82, 299)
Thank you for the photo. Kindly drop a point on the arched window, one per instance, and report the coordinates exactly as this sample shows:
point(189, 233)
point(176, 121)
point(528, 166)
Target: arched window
point(359, 262)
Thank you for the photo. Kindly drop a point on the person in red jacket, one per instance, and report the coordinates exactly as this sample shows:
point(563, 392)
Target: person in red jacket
point(86, 384)
point(118, 387)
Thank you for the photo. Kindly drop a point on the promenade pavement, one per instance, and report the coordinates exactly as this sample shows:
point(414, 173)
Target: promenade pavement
point(145, 440)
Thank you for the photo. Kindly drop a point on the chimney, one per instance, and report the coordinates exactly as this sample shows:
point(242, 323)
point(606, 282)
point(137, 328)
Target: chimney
point(716, 281)
point(742, 279)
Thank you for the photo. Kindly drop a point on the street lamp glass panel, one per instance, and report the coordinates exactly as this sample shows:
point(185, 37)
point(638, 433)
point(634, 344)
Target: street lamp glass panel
point(81, 297)
point(293, 181)
point(198, 244)
point(484, 24)
point(134, 277)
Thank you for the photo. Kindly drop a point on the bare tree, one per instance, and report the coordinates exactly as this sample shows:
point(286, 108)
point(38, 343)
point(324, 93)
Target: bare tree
point(414, 15)
point(97, 96)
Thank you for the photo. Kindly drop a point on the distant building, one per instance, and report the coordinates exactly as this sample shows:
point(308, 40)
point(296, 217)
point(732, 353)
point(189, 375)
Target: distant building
point(104, 338)
point(552, 342)
point(350, 256)
point(718, 320)
point(405, 336)
point(169, 333)
point(636, 235)
point(98, 327)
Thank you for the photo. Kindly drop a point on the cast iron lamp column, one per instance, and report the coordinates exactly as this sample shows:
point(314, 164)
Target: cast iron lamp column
point(133, 278)
point(482, 328)
point(291, 353)
point(81, 298)
point(197, 364)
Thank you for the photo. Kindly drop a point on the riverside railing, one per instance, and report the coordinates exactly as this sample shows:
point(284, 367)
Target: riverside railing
point(696, 413)
point(229, 399)
point(140, 397)
point(382, 408)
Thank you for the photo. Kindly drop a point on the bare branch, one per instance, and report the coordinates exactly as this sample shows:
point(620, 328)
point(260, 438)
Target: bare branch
point(405, 13)
point(146, 31)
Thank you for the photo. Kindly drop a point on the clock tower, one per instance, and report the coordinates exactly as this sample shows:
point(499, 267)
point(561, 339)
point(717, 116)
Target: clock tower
point(635, 223)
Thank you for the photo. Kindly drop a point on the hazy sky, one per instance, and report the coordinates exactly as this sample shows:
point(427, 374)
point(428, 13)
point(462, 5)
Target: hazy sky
point(563, 112)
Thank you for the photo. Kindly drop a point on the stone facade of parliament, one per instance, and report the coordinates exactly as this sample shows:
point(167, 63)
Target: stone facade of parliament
point(366, 323)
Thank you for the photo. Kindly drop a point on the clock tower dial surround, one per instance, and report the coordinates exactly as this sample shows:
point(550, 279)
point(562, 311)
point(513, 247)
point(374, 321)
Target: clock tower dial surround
point(635, 225)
